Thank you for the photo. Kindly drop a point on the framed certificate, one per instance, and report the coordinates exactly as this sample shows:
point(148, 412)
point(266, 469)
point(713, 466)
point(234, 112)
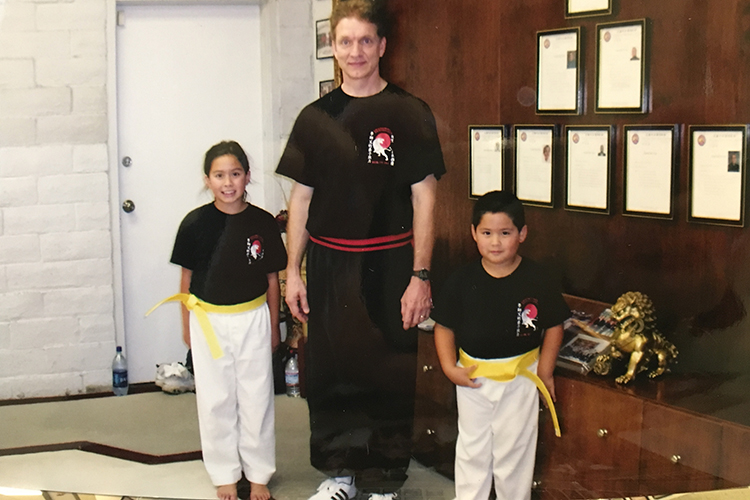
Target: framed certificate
point(581, 8)
point(588, 167)
point(649, 173)
point(621, 69)
point(716, 192)
point(558, 72)
point(323, 39)
point(534, 164)
point(486, 150)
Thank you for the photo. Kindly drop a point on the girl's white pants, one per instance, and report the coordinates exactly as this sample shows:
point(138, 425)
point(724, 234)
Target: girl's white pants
point(234, 395)
point(497, 434)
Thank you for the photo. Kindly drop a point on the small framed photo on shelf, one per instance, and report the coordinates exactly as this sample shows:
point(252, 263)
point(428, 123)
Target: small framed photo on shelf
point(324, 87)
point(621, 69)
point(716, 186)
point(534, 164)
point(588, 165)
point(486, 151)
point(649, 172)
point(558, 72)
point(585, 8)
point(323, 39)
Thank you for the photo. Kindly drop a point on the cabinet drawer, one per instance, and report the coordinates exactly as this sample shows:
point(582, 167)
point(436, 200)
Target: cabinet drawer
point(680, 451)
point(734, 469)
point(435, 434)
point(432, 384)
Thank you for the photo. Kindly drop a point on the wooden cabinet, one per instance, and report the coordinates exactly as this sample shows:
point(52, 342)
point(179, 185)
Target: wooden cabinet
point(435, 414)
point(616, 441)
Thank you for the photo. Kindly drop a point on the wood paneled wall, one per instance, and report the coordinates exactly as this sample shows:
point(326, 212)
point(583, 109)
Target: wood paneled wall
point(474, 62)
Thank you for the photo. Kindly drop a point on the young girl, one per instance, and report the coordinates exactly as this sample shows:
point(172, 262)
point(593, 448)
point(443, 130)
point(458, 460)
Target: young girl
point(230, 252)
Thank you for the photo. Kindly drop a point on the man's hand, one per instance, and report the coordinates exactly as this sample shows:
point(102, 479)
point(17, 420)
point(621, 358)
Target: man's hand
point(296, 296)
point(416, 303)
point(460, 375)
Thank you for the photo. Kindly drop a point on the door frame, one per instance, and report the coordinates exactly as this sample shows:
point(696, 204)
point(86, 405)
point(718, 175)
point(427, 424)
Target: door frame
point(112, 143)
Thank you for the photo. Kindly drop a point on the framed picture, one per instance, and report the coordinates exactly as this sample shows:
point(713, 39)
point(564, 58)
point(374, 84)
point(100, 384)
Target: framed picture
point(621, 69)
point(323, 39)
point(558, 72)
point(649, 172)
point(716, 192)
point(486, 151)
point(588, 165)
point(534, 161)
point(324, 87)
point(585, 8)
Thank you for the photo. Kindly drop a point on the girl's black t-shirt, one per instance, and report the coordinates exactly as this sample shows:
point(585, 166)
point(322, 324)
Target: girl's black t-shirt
point(230, 255)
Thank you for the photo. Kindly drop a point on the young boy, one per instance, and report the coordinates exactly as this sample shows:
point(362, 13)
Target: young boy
point(498, 311)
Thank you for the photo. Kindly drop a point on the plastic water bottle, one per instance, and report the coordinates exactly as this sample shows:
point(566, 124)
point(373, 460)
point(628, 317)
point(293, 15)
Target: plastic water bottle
point(291, 375)
point(119, 374)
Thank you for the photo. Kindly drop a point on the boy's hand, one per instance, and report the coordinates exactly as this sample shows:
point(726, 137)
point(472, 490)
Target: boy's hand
point(549, 383)
point(186, 336)
point(460, 375)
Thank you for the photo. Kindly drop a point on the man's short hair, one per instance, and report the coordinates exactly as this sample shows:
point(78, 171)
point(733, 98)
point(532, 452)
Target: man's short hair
point(371, 11)
point(499, 202)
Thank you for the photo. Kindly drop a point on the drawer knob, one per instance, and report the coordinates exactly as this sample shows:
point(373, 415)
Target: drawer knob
point(602, 433)
point(427, 368)
point(430, 432)
point(536, 484)
point(676, 459)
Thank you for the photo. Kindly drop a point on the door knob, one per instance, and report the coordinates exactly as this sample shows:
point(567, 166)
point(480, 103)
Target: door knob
point(127, 161)
point(128, 206)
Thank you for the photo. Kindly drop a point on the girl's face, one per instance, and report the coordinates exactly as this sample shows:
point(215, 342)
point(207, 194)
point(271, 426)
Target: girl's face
point(227, 181)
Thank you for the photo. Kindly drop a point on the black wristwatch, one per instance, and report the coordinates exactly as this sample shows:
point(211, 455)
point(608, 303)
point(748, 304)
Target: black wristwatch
point(423, 274)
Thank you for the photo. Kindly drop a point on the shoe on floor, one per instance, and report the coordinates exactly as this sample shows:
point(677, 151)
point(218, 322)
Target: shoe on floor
point(336, 489)
point(383, 496)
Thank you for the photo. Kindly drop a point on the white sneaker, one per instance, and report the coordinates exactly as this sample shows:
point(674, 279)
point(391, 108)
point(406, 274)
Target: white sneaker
point(383, 496)
point(336, 488)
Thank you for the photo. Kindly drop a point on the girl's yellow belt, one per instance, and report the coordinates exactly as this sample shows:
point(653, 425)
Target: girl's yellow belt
point(201, 309)
point(504, 371)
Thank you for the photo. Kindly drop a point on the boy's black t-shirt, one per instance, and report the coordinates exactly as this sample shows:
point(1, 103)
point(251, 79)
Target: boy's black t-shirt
point(362, 155)
point(499, 317)
point(229, 255)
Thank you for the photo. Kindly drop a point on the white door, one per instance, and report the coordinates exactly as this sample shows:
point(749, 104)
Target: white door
point(187, 78)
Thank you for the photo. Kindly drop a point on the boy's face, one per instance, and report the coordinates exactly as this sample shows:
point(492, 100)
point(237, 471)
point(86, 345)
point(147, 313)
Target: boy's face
point(498, 239)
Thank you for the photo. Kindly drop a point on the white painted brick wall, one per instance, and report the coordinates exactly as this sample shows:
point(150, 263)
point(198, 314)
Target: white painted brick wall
point(57, 318)
point(18, 191)
point(23, 248)
point(16, 73)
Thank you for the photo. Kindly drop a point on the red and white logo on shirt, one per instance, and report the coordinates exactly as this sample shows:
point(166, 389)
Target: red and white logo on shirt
point(527, 315)
point(380, 149)
point(254, 250)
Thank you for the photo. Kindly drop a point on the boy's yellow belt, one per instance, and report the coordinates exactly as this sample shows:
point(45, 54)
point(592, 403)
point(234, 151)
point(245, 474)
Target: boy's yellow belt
point(201, 309)
point(506, 371)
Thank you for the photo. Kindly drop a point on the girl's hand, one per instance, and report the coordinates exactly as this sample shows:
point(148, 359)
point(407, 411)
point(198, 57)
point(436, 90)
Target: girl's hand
point(460, 375)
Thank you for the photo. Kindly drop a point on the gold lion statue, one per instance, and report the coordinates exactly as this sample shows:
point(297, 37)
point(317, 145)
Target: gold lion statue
point(636, 336)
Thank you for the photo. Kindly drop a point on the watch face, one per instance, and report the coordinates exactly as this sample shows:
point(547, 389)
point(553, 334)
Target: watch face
point(422, 274)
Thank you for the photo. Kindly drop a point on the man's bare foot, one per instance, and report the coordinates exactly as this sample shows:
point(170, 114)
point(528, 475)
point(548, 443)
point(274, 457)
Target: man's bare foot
point(227, 492)
point(259, 492)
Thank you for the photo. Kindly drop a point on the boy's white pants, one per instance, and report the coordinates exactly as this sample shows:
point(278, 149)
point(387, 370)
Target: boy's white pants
point(234, 395)
point(497, 434)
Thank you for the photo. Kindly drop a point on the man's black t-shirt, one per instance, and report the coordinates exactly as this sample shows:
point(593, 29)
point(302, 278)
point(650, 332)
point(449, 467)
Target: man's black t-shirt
point(229, 254)
point(499, 317)
point(361, 155)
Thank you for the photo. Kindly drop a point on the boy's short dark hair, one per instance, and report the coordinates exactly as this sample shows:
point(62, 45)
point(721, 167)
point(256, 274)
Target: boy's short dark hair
point(499, 202)
point(371, 11)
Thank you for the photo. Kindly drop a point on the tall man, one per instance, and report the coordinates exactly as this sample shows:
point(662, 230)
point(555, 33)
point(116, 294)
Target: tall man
point(365, 159)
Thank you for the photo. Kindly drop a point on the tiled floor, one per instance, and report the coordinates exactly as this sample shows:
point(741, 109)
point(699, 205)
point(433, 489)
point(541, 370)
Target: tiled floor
point(159, 424)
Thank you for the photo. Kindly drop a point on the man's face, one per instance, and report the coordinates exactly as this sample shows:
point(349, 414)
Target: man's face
point(358, 49)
